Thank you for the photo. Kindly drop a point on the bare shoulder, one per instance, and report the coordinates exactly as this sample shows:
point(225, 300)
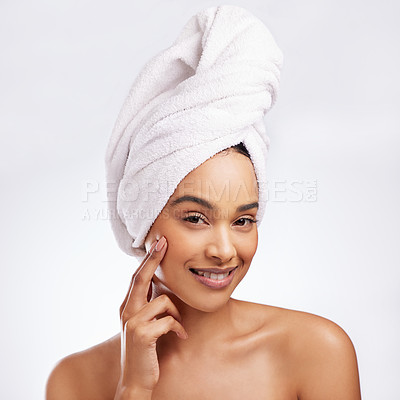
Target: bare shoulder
point(321, 335)
point(89, 374)
point(300, 330)
point(319, 353)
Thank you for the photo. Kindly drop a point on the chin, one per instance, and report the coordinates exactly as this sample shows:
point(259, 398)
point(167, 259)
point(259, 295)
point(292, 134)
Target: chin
point(209, 304)
point(208, 307)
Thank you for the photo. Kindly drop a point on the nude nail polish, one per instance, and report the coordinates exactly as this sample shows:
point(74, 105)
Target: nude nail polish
point(152, 246)
point(161, 244)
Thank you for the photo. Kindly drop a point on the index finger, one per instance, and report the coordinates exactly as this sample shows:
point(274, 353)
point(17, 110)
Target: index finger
point(141, 279)
point(148, 254)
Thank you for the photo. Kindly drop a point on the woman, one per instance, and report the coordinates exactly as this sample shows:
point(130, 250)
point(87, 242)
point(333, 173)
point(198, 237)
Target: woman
point(182, 334)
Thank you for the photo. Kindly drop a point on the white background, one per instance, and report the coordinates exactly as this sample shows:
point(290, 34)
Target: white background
point(65, 69)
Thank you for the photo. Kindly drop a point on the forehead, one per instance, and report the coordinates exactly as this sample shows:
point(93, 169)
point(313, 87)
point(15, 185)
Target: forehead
point(227, 177)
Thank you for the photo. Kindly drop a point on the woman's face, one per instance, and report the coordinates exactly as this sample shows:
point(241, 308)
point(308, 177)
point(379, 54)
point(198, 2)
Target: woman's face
point(216, 231)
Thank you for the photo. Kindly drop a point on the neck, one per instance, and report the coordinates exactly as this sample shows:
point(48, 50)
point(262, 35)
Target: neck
point(205, 329)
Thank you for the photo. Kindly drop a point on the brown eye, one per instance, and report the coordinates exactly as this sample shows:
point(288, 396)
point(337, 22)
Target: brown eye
point(194, 219)
point(244, 220)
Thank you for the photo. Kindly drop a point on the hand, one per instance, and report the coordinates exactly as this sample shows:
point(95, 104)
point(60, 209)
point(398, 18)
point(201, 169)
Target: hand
point(140, 328)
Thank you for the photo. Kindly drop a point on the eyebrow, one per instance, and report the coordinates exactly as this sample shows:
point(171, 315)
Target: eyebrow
point(208, 205)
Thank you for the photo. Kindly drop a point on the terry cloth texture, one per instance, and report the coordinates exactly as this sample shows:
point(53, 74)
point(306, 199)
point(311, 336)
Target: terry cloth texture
point(206, 92)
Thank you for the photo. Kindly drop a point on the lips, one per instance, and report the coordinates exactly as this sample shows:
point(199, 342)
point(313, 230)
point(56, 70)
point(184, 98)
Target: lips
point(215, 280)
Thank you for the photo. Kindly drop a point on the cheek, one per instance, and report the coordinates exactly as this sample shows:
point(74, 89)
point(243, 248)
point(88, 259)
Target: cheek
point(181, 247)
point(248, 247)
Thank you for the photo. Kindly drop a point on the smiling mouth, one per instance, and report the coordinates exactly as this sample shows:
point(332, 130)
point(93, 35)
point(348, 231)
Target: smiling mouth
point(217, 276)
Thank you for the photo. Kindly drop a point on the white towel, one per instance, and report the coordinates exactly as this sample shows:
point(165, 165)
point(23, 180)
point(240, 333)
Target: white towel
point(208, 91)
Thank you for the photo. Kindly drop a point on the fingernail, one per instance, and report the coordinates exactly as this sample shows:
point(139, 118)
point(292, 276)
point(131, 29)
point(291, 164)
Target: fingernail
point(182, 335)
point(152, 246)
point(160, 244)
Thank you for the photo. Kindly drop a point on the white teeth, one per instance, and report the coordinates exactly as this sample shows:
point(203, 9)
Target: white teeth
point(212, 275)
point(222, 276)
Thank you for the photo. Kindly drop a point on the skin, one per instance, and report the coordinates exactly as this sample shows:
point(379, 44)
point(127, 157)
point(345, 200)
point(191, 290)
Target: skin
point(181, 339)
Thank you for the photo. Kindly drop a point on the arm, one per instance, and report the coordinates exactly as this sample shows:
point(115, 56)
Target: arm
point(61, 383)
point(327, 364)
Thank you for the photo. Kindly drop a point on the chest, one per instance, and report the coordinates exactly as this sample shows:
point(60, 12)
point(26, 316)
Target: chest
point(252, 377)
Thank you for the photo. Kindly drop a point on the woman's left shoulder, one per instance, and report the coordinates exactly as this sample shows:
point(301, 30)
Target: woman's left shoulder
point(319, 351)
point(300, 327)
point(309, 331)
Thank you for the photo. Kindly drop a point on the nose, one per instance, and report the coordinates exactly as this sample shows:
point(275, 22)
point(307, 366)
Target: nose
point(221, 246)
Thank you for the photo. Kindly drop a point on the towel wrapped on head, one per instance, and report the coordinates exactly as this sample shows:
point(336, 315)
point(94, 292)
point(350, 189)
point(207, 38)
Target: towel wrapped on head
point(208, 91)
